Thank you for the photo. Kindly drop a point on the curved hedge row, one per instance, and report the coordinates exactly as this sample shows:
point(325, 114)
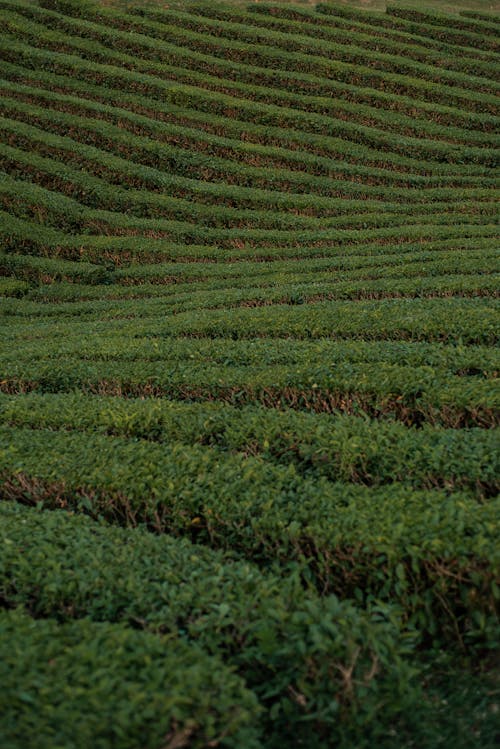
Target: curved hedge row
point(80, 684)
point(248, 376)
point(288, 646)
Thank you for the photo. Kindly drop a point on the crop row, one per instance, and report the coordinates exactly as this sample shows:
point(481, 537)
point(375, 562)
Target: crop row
point(139, 161)
point(217, 39)
point(440, 19)
point(296, 20)
point(229, 295)
point(73, 300)
point(27, 200)
point(396, 20)
point(248, 380)
point(489, 17)
point(151, 159)
point(13, 287)
point(285, 163)
point(114, 340)
point(349, 267)
point(216, 45)
point(432, 277)
point(97, 192)
point(20, 236)
point(362, 263)
point(62, 156)
point(340, 448)
point(343, 21)
point(239, 43)
point(433, 554)
point(279, 104)
point(275, 30)
point(451, 320)
point(274, 48)
point(279, 109)
point(87, 190)
point(94, 684)
point(48, 270)
point(412, 394)
point(284, 643)
point(215, 112)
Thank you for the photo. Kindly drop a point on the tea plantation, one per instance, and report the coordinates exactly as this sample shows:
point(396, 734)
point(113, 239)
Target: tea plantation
point(249, 445)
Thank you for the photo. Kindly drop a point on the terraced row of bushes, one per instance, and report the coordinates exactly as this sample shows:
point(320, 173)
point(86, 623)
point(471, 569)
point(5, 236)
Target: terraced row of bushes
point(248, 380)
point(269, 513)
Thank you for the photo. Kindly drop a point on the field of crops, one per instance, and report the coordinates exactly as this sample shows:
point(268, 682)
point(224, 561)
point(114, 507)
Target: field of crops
point(248, 399)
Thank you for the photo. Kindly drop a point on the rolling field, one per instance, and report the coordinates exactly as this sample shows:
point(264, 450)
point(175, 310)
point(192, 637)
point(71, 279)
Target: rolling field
point(249, 376)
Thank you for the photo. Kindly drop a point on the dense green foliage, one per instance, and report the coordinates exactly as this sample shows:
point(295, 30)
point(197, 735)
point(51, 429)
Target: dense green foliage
point(86, 684)
point(248, 376)
point(288, 645)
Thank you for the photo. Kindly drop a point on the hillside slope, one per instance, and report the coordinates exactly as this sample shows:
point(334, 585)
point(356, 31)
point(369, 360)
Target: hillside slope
point(249, 314)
